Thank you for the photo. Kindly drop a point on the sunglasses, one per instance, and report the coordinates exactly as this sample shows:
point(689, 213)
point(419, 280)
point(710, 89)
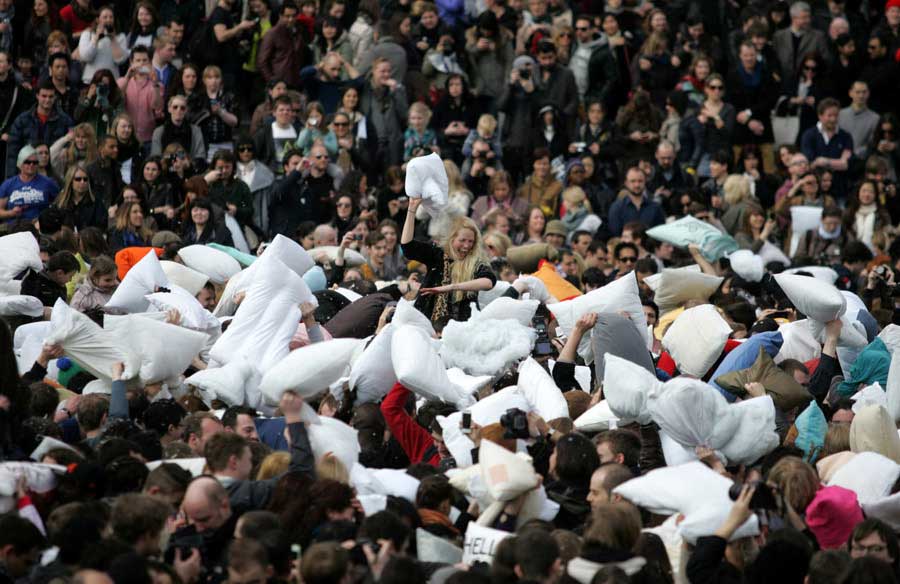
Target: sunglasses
point(809, 68)
point(873, 47)
point(628, 259)
point(178, 107)
point(582, 28)
point(80, 179)
point(343, 205)
point(320, 156)
point(30, 161)
point(716, 87)
point(341, 124)
point(245, 149)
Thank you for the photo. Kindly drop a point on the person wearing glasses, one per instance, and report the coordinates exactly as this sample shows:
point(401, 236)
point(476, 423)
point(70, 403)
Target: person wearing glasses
point(258, 178)
point(626, 256)
point(29, 127)
point(801, 97)
point(880, 73)
point(177, 129)
point(25, 195)
point(874, 538)
point(77, 200)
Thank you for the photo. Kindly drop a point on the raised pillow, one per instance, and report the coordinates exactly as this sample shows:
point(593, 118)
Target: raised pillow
point(818, 300)
point(145, 277)
point(217, 265)
point(747, 265)
point(755, 436)
point(598, 418)
point(18, 252)
point(419, 367)
point(165, 350)
point(193, 315)
point(482, 346)
point(505, 474)
point(330, 252)
point(627, 387)
point(696, 339)
point(21, 305)
point(372, 374)
point(713, 243)
point(786, 392)
point(183, 276)
point(227, 383)
point(868, 474)
point(693, 413)
point(541, 393)
point(310, 369)
point(426, 179)
point(407, 313)
point(823, 273)
point(744, 355)
point(291, 253)
point(485, 297)
point(528, 258)
point(510, 308)
point(799, 342)
point(335, 437)
point(674, 287)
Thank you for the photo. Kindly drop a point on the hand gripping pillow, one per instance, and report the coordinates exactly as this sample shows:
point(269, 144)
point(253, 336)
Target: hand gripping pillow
point(627, 387)
point(693, 413)
point(372, 374)
point(786, 392)
point(598, 418)
point(335, 437)
point(541, 393)
point(510, 308)
point(19, 252)
point(94, 348)
point(419, 367)
point(21, 305)
point(747, 265)
point(536, 288)
point(183, 276)
point(165, 350)
point(799, 342)
point(407, 313)
point(696, 339)
point(755, 436)
point(482, 346)
point(816, 299)
point(868, 474)
point(193, 315)
point(674, 287)
point(144, 278)
point(218, 265)
point(310, 369)
point(225, 383)
point(266, 320)
point(621, 295)
point(426, 179)
point(505, 474)
point(713, 243)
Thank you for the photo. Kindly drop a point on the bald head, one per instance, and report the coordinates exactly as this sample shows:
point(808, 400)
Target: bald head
point(331, 66)
point(206, 504)
point(324, 235)
point(91, 577)
point(604, 480)
point(665, 154)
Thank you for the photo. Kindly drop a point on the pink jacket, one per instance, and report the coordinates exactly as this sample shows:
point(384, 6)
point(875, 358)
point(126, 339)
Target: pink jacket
point(144, 103)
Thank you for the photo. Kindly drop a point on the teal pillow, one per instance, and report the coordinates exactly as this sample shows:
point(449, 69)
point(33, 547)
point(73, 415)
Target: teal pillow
point(245, 259)
point(872, 365)
point(811, 429)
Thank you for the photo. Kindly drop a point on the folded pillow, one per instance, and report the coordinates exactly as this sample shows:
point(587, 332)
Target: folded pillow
point(747, 265)
point(426, 179)
point(786, 392)
point(696, 339)
point(673, 287)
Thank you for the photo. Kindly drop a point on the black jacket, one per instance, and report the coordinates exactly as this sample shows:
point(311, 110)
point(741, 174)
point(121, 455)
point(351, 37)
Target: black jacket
point(292, 203)
point(603, 77)
point(90, 212)
point(708, 565)
point(759, 99)
point(106, 180)
point(39, 285)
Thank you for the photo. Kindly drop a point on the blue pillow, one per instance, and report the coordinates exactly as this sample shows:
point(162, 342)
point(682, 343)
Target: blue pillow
point(315, 279)
point(745, 355)
point(811, 429)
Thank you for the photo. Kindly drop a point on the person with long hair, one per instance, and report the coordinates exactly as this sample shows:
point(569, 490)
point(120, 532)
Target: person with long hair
point(101, 47)
point(38, 27)
point(801, 97)
point(459, 200)
point(186, 82)
point(130, 229)
point(639, 123)
point(693, 82)
point(350, 105)
point(100, 103)
point(655, 68)
point(77, 201)
point(500, 195)
point(331, 38)
point(130, 157)
point(221, 107)
point(755, 230)
point(457, 270)
point(78, 145)
point(144, 25)
point(162, 198)
point(865, 216)
point(201, 227)
point(454, 116)
point(393, 259)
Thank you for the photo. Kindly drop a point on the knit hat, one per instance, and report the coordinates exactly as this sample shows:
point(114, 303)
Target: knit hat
point(522, 62)
point(24, 153)
point(891, 4)
point(163, 238)
point(832, 515)
point(555, 227)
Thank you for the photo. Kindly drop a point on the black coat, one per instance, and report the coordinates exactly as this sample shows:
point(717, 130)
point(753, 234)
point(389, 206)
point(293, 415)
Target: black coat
point(292, 203)
point(759, 99)
point(603, 77)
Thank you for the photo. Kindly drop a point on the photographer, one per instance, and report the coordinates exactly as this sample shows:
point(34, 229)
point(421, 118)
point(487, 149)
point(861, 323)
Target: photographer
point(490, 51)
point(101, 47)
point(440, 63)
point(478, 169)
point(519, 104)
point(100, 102)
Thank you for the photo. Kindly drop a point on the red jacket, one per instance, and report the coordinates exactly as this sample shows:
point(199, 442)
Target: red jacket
point(415, 440)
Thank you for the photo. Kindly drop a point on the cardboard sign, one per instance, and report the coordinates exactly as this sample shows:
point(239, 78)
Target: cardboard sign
point(481, 543)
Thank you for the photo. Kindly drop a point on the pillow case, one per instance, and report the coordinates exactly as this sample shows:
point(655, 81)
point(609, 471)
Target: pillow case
point(786, 392)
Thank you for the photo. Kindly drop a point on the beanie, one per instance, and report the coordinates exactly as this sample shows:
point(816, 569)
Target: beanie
point(24, 153)
point(891, 4)
point(832, 515)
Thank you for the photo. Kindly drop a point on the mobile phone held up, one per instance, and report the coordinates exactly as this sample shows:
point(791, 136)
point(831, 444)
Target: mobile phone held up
point(467, 422)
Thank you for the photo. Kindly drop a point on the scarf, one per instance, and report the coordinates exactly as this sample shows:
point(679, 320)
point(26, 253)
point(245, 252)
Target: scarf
point(829, 235)
point(864, 223)
point(432, 517)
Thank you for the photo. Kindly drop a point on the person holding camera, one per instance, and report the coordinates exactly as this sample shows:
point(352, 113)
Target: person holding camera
point(176, 129)
point(519, 104)
point(439, 63)
point(490, 50)
point(100, 103)
point(101, 47)
point(143, 94)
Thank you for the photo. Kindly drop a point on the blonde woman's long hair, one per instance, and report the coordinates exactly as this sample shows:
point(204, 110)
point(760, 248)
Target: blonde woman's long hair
point(67, 196)
point(90, 151)
point(123, 224)
point(736, 189)
point(455, 179)
point(463, 269)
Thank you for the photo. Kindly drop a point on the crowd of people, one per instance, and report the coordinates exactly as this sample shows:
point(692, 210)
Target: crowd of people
point(569, 134)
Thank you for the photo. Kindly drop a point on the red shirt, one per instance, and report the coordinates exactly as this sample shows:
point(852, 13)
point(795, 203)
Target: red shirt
point(67, 15)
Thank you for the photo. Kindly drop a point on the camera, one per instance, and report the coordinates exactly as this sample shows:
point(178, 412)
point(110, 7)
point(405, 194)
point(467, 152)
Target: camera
point(515, 424)
point(525, 73)
point(103, 91)
point(542, 346)
point(186, 539)
point(763, 497)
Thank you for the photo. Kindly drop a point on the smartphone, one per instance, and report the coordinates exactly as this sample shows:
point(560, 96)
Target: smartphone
point(467, 422)
point(357, 237)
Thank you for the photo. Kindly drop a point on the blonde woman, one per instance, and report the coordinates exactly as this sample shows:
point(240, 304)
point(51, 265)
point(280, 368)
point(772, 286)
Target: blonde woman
point(77, 201)
point(457, 271)
point(419, 139)
point(131, 230)
point(496, 244)
point(737, 197)
point(78, 145)
point(460, 197)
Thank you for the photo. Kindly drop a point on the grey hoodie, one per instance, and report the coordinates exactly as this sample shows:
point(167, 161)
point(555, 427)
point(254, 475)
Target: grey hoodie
point(578, 63)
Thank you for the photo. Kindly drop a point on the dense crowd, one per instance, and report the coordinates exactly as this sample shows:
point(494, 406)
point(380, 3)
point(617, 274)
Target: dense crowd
point(483, 291)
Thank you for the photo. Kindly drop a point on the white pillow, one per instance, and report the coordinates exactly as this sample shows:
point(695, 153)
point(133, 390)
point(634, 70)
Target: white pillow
point(407, 313)
point(755, 436)
point(309, 370)
point(693, 413)
point(216, 264)
point(817, 299)
point(165, 350)
point(398, 483)
point(372, 374)
point(193, 315)
point(488, 410)
point(870, 395)
point(622, 295)
point(747, 265)
point(627, 387)
point(351, 257)
point(890, 336)
point(18, 252)
point(505, 474)
point(823, 273)
point(506, 308)
point(419, 367)
point(537, 290)
point(225, 383)
point(291, 253)
point(799, 342)
point(426, 179)
point(94, 348)
point(673, 287)
point(38, 329)
point(541, 393)
point(458, 444)
point(893, 388)
point(598, 418)
point(485, 297)
point(771, 253)
point(181, 275)
point(696, 339)
point(21, 305)
point(805, 218)
point(482, 346)
point(336, 437)
point(868, 474)
point(266, 320)
point(468, 383)
point(143, 278)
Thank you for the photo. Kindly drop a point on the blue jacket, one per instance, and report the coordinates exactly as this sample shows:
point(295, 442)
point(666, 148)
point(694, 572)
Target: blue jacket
point(624, 211)
point(28, 129)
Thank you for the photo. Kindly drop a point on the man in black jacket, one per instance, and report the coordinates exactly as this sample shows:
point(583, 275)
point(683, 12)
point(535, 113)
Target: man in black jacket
point(105, 174)
point(14, 99)
point(292, 200)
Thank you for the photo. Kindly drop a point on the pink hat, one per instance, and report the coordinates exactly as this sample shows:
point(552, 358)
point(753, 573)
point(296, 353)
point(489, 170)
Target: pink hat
point(891, 4)
point(832, 515)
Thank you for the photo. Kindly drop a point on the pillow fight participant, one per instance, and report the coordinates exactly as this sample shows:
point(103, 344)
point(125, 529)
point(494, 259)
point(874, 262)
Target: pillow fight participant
point(631, 319)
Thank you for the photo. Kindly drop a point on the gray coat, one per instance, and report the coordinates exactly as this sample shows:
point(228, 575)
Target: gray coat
point(812, 41)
